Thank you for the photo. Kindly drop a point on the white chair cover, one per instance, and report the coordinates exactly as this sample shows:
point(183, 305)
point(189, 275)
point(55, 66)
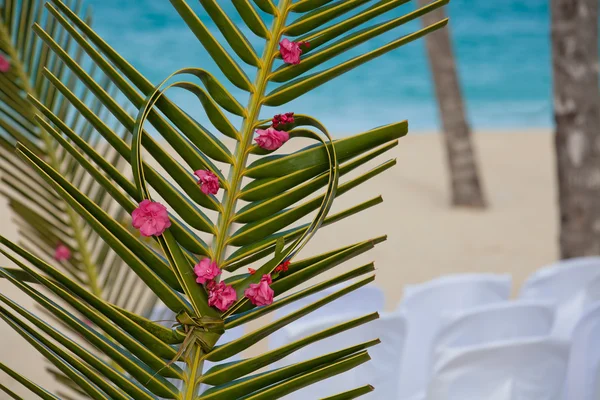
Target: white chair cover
point(583, 374)
point(492, 323)
point(381, 371)
point(361, 301)
point(525, 369)
point(571, 285)
point(424, 306)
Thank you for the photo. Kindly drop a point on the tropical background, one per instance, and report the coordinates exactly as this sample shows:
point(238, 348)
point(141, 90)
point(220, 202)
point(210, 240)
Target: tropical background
point(502, 51)
point(502, 48)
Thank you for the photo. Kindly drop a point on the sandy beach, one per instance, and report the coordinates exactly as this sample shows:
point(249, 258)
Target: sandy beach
point(426, 238)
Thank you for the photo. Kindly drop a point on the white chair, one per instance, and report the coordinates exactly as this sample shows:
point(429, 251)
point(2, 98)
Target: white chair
point(424, 306)
point(381, 371)
point(526, 369)
point(571, 284)
point(583, 374)
point(491, 323)
point(361, 301)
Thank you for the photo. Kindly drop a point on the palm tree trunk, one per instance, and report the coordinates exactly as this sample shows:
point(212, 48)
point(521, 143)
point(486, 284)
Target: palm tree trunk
point(577, 118)
point(465, 184)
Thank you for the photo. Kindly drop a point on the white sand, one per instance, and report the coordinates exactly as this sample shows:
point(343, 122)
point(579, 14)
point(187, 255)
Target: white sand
point(426, 238)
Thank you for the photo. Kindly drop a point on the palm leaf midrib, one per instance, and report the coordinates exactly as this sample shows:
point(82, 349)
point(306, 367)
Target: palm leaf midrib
point(250, 121)
point(73, 221)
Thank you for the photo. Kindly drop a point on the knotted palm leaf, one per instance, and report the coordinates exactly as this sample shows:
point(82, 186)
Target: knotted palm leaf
point(270, 205)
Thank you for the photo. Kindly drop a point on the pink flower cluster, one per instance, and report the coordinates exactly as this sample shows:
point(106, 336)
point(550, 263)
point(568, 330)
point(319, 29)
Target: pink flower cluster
point(283, 267)
point(271, 139)
point(283, 119)
point(4, 64)
point(220, 295)
point(62, 253)
point(291, 51)
point(209, 183)
point(151, 218)
point(260, 294)
point(206, 270)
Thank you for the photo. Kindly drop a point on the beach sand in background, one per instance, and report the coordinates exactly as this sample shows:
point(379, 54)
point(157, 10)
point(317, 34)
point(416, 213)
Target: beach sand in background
point(426, 238)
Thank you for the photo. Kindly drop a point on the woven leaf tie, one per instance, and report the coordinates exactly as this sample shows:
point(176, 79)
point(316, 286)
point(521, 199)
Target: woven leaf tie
point(195, 329)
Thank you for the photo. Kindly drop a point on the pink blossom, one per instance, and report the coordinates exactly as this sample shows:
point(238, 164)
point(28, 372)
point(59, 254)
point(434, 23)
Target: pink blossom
point(260, 294)
point(4, 64)
point(271, 139)
point(206, 270)
point(151, 218)
point(209, 183)
point(283, 267)
point(283, 119)
point(221, 296)
point(62, 252)
point(290, 51)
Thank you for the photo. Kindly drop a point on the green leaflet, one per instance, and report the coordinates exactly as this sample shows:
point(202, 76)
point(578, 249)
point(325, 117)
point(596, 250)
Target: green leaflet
point(232, 34)
point(316, 156)
point(287, 72)
point(42, 393)
point(222, 374)
point(235, 346)
point(294, 89)
point(241, 387)
point(352, 394)
point(321, 16)
point(243, 317)
point(303, 6)
point(227, 65)
point(252, 18)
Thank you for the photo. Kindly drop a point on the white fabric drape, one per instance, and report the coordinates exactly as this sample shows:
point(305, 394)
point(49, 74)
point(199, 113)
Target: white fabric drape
point(583, 374)
point(425, 305)
point(527, 369)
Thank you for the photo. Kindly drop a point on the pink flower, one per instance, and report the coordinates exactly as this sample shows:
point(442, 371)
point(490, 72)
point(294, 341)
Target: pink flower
point(206, 270)
point(271, 139)
point(290, 51)
point(4, 64)
point(151, 218)
point(283, 119)
point(260, 294)
point(209, 183)
point(221, 296)
point(62, 252)
point(283, 267)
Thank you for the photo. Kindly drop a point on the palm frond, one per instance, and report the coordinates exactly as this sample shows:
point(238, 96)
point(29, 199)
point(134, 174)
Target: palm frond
point(43, 218)
point(272, 202)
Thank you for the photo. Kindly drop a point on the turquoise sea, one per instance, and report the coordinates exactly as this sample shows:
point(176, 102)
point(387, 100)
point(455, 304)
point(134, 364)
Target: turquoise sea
point(502, 48)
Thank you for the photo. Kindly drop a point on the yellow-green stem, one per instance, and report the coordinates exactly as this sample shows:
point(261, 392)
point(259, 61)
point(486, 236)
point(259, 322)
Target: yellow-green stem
point(242, 149)
point(193, 373)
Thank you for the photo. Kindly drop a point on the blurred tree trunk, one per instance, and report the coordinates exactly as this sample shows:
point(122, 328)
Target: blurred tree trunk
point(577, 118)
point(464, 176)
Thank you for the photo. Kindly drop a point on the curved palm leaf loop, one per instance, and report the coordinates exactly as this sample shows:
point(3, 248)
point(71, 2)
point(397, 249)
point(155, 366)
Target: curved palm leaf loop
point(204, 317)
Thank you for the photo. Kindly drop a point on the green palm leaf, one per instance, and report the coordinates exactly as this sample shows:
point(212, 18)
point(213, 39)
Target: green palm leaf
point(43, 218)
point(259, 221)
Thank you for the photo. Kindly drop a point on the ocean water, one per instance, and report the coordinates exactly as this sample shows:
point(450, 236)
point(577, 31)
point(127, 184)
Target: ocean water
point(502, 49)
